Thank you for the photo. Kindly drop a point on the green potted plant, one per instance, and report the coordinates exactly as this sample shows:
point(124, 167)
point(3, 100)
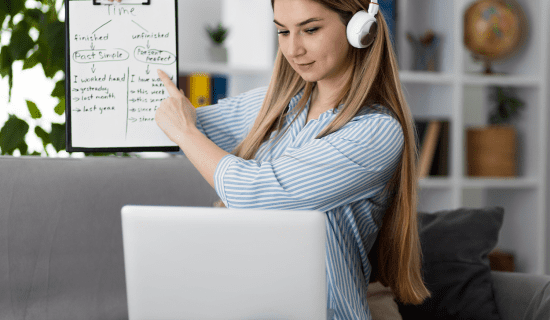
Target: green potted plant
point(218, 53)
point(492, 150)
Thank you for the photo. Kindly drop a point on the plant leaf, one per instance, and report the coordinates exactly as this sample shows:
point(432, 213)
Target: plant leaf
point(59, 89)
point(3, 16)
point(32, 61)
point(20, 42)
point(12, 7)
point(23, 148)
point(6, 68)
point(34, 17)
point(57, 136)
point(60, 108)
point(53, 50)
point(5, 61)
point(33, 110)
point(12, 135)
point(43, 135)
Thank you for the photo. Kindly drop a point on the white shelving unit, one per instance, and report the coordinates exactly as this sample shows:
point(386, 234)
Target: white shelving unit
point(459, 93)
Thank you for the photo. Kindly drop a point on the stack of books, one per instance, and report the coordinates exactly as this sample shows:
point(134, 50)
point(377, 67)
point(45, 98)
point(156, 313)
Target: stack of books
point(203, 89)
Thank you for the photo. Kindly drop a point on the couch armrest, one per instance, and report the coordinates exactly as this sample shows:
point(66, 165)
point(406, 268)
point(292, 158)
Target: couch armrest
point(521, 295)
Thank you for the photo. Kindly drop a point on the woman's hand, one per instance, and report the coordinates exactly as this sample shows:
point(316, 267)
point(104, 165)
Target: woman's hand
point(176, 115)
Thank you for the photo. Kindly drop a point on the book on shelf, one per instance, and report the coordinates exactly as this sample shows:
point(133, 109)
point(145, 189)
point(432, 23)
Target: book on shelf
point(204, 89)
point(433, 145)
point(440, 163)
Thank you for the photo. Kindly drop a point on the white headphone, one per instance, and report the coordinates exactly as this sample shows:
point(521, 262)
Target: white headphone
point(362, 28)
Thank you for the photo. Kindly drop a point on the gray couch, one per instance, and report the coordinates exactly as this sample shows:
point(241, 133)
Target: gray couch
point(61, 253)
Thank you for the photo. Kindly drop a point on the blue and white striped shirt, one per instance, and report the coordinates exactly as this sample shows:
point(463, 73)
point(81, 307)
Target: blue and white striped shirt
point(342, 174)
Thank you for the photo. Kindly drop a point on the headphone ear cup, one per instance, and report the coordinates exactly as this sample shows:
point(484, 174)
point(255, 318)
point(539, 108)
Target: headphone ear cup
point(362, 29)
point(370, 35)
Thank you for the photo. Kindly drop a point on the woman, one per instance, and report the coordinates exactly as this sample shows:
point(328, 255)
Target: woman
point(333, 133)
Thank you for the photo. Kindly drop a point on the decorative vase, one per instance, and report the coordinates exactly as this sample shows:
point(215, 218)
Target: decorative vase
point(426, 52)
point(218, 53)
point(491, 151)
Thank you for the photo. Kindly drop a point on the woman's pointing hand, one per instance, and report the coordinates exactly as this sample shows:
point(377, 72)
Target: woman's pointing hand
point(176, 115)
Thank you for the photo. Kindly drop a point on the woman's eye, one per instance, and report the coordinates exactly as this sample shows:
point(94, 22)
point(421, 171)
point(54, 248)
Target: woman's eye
point(310, 31)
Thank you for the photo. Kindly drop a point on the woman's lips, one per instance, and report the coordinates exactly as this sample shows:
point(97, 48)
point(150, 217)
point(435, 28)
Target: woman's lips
point(305, 66)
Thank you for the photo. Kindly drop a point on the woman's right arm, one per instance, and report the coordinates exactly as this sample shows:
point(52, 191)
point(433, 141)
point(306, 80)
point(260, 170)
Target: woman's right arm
point(227, 122)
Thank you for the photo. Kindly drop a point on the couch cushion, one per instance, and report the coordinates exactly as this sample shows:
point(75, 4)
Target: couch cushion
point(455, 244)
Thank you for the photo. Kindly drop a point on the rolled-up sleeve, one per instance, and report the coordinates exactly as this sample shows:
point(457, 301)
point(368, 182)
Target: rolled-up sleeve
point(227, 122)
point(354, 163)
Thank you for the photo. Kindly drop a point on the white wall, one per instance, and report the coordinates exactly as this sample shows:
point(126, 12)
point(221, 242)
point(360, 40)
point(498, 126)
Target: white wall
point(193, 16)
point(250, 42)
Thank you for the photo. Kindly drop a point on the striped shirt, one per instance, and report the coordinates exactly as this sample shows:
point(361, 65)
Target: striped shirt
point(343, 174)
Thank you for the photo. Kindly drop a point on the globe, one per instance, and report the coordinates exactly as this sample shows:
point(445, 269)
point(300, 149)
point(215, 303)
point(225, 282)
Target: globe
point(494, 30)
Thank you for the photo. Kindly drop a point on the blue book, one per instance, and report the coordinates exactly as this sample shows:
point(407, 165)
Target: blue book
point(218, 85)
point(389, 10)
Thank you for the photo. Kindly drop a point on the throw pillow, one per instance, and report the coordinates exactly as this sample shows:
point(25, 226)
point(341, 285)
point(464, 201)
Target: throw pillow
point(455, 266)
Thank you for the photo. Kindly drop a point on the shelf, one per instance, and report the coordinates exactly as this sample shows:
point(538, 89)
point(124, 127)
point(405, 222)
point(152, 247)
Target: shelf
point(218, 67)
point(501, 79)
point(480, 183)
point(435, 183)
point(500, 183)
point(426, 77)
point(461, 93)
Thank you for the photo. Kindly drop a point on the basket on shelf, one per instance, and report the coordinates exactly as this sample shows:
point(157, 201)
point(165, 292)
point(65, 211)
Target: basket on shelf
point(492, 150)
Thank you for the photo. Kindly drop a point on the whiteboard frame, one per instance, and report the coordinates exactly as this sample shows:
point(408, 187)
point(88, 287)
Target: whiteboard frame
point(68, 139)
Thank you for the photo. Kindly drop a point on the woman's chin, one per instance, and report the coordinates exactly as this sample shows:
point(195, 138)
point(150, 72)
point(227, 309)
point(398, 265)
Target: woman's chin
point(307, 77)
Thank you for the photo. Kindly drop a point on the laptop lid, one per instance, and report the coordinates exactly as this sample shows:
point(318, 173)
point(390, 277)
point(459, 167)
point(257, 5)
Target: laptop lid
point(219, 263)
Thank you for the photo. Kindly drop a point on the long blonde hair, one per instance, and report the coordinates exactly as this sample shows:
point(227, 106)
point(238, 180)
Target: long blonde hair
point(396, 255)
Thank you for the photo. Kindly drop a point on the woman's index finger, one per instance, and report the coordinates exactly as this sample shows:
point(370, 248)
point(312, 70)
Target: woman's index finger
point(170, 86)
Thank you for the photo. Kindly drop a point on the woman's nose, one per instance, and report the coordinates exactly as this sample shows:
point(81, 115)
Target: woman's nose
point(295, 45)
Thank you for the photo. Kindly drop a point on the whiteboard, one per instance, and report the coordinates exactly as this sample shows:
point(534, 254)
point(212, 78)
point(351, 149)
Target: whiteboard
point(112, 87)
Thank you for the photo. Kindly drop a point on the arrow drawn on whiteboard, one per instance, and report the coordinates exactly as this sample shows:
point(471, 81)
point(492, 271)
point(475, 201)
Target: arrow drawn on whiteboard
point(75, 90)
point(132, 119)
point(148, 46)
point(147, 71)
point(76, 99)
point(102, 26)
point(92, 46)
point(77, 110)
point(93, 68)
point(140, 26)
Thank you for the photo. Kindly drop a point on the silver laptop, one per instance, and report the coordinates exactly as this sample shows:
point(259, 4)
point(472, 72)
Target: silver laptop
point(218, 263)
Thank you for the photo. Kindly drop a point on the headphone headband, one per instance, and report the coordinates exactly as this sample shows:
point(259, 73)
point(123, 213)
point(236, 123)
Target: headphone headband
point(373, 7)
